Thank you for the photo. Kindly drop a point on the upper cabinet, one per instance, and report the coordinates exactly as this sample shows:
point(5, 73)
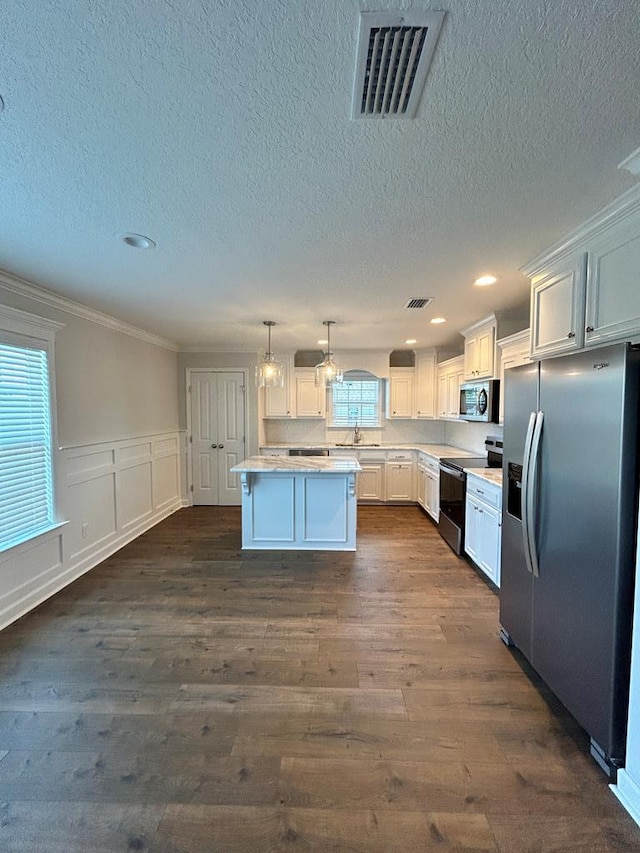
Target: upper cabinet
point(426, 385)
point(514, 351)
point(401, 397)
point(586, 289)
point(450, 377)
point(479, 349)
point(557, 308)
point(310, 399)
point(280, 402)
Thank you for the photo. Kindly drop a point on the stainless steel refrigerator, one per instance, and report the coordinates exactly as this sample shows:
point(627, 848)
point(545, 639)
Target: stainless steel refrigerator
point(570, 509)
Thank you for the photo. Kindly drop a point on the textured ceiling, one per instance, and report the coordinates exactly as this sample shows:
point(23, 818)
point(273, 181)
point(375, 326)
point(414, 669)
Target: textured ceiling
point(221, 129)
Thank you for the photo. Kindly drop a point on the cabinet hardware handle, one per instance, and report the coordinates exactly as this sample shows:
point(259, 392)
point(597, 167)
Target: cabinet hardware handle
point(589, 329)
point(214, 446)
point(221, 446)
point(571, 335)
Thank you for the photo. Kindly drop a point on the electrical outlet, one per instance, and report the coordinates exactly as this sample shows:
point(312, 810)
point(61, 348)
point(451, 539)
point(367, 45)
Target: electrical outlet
point(85, 529)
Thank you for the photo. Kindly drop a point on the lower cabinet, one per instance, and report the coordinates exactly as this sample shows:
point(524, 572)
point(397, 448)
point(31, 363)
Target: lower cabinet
point(483, 526)
point(399, 477)
point(428, 485)
point(371, 481)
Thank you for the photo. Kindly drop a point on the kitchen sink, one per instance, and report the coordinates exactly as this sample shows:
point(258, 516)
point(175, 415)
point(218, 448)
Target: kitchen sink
point(360, 444)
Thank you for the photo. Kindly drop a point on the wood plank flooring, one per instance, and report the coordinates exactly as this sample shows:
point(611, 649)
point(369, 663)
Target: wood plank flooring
point(185, 697)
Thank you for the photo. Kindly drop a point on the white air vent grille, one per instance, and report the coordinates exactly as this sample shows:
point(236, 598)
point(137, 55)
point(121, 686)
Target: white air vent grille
point(394, 54)
point(419, 302)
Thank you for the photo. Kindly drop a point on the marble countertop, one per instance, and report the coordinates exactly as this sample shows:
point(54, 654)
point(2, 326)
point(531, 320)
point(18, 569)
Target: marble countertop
point(490, 475)
point(298, 464)
point(437, 450)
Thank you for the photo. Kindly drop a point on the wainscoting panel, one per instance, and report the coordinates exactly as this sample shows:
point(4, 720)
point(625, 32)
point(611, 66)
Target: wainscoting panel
point(107, 493)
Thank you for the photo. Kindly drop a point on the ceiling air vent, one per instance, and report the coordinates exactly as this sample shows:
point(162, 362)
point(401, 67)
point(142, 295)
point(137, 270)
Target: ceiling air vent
point(394, 54)
point(419, 302)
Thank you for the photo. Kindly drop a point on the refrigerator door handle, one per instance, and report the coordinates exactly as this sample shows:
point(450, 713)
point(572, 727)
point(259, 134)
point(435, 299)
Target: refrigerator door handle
point(525, 486)
point(531, 497)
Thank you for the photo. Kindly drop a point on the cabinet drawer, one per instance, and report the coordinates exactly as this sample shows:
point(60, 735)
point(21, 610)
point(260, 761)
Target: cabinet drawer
point(429, 462)
point(366, 455)
point(274, 451)
point(400, 455)
point(483, 491)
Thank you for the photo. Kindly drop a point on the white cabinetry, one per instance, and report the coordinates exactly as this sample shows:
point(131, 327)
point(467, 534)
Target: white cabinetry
point(479, 349)
point(557, 308)
point(450, 377)
point(514, 351)
point(280, 402)
point(310, 398)
point(426, 385)
point(371, 481)
point(399, 486)
point(586, 289)
point(483, 525)
point(428, 484)
point(401, 398)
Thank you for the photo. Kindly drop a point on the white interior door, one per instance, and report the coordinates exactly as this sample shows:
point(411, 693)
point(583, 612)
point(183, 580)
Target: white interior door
point(218, 436)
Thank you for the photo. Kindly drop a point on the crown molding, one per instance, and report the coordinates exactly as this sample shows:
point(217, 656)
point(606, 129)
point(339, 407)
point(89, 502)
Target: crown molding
point(632, 163)
point(22, 287)
point(194, 349)
point(619, 209)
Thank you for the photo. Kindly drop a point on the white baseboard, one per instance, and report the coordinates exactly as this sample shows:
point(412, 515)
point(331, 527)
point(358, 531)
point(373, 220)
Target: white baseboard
point(627, 790)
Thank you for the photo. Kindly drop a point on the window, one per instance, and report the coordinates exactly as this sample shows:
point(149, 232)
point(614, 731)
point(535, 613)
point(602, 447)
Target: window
point(26, 467)
point(356, 401)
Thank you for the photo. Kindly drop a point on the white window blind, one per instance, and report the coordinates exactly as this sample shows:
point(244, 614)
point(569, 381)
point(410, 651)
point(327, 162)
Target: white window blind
point(26, 495)
point(357, 402)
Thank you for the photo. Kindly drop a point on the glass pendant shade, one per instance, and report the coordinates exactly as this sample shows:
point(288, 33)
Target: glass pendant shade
point(269, 372)
point(328, 372)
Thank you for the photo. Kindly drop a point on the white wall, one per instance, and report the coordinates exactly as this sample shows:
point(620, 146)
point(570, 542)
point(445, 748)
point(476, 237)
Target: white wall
point(117, 461)
point(470, 436)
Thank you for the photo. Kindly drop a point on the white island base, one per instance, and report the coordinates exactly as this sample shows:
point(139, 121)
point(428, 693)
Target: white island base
point(298, 503)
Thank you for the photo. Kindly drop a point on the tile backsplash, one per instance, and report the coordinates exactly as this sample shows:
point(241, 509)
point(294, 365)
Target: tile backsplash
point(468, 436)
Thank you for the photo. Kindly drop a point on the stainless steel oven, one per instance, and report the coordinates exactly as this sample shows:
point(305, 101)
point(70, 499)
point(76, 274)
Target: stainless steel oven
point(453, 490)
point(453, 493)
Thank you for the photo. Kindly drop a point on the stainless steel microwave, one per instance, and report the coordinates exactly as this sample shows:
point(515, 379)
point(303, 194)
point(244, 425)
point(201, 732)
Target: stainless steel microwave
point(480, 400)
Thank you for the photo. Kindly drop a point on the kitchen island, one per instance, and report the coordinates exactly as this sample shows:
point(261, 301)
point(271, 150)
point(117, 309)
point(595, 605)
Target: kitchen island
point(298, 503)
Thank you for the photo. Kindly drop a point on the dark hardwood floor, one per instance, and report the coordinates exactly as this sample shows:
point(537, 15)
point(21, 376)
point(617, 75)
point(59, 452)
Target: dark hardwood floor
point(186, 696)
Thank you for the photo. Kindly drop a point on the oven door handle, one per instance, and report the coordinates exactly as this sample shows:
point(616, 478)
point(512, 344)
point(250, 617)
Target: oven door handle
point(451, 472)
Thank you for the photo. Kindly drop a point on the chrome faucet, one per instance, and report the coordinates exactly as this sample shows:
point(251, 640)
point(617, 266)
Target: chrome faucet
point(357, 437)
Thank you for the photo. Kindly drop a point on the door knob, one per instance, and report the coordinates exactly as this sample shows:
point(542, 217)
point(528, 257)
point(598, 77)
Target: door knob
point(214, 446)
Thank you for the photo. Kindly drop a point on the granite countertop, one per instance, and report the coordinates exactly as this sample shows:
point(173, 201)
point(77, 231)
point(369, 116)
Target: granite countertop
point(491, 475)
point(298, 464)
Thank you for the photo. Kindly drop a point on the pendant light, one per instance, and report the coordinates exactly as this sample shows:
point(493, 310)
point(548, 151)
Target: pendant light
point(269, 372)
point(328, 372)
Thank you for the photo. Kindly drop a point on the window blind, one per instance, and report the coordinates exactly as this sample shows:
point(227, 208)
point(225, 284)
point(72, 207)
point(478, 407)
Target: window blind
point(26, 495)
point(357, 402)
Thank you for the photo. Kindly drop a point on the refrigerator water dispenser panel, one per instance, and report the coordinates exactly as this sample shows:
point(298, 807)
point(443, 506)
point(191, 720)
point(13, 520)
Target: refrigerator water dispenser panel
point(514, 490)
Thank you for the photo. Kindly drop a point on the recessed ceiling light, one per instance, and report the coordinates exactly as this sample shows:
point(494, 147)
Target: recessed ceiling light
point(323, 341)
point(485, 280)
point(138, 241)
point(411, 341)
point(438, 320)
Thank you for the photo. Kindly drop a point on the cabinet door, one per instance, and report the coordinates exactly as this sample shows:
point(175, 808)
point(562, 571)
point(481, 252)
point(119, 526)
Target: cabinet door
point(613, 287)
point(472, 537)
point(421, 486)
point(454, 380)
point(433, 495)
point(489, 546)
point(401, 392)
point(310, 399)
point(399, 481)
point(485, 349)
point(277, 401)
point(557, 310)
point(471, 357)
point(426, 386)
point(443, 390)
point(371, 481)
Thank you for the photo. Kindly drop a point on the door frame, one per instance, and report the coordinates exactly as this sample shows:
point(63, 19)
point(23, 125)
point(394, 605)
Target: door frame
point(189, 371)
